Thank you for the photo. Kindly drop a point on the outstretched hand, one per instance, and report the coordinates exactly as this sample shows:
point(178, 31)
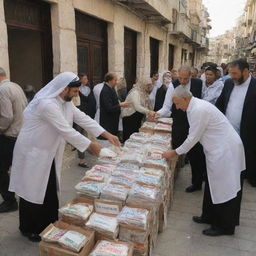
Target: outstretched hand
point(170, 154)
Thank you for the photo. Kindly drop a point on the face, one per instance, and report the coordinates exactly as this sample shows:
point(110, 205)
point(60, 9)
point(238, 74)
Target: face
point(148, 88)
point(174, 74)
point(237, 75)
point(254, 73)
point(113, 82)
point(84, 80)
point(210, 77)
point(184, 77)
point(167, 78)
point(181, 103)
point(194, 73)
point(155, 77)
point(69, 93)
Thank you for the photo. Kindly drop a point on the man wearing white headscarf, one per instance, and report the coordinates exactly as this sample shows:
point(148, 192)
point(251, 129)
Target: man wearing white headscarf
point(39, 149)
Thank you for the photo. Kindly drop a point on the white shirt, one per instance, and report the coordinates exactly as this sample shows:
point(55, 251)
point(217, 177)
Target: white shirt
point(236, 104)
point(85, 90)
point(165, 111)
point(212, 92)
point(12, 104)
point(223, 148)
point(152, 95)
point(97, 90)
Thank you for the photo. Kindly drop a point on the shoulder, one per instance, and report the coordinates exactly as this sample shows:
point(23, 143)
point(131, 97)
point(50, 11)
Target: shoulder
point(176, 83)
point(196, 81)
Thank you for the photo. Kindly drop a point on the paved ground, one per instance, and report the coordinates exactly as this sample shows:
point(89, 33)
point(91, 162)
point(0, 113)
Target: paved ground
point(182, 237)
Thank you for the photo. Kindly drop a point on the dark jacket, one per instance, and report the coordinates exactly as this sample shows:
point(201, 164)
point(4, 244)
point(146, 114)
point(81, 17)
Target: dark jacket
point(160, 96)
point(88, 104)
point(180, 122)
point(248, 120)
point(109, 109)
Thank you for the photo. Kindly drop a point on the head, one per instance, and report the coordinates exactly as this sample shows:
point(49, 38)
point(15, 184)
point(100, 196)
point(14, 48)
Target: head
point(111, 79)
point(175, 74)
point(211, 74)
point(145, 85)
point(71, 90)
point(181, 97)
point(83, 78)
point(2, 74)
point(194, 72)
point(154, 76)
point(167, 77)
point(239, 71)
point(184, 75)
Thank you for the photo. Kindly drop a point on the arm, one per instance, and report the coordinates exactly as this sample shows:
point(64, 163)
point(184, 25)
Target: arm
point(6, 113)
point(166, 109)
point(106, 102)
point(53, 115)
point(198, 122)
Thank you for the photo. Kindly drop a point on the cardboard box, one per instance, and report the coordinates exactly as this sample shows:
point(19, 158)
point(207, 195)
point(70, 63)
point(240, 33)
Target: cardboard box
point(130, 245)
point(73, 220)
point(53, 249)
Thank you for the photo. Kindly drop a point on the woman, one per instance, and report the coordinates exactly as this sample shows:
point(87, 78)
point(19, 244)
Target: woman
point(165, 79)
point(212, 86)
point(121, 89)
point(139, 106)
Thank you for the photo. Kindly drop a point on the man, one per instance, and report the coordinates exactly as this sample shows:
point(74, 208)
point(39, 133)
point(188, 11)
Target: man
point(180, 126)
point(238, 102)
point(156, 85)
point(110, 108)
point(12, 103)
point(224, 157)
point(194, 73)
point(96, 91)
point(38, 152)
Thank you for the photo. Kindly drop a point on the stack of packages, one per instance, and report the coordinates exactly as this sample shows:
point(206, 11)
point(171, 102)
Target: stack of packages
point(123, 200)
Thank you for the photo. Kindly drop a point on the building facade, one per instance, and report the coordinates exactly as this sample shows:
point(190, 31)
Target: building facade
point(40, 39)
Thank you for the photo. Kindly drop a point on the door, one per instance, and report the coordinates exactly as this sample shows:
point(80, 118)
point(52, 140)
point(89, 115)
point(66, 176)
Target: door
point(29, 42)
point(154, 55)
point(130, 57)
point(171, 57)
point(91, 47)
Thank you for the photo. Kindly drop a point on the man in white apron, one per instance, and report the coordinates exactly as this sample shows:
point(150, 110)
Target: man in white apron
point(38, 152)
point(225, 161)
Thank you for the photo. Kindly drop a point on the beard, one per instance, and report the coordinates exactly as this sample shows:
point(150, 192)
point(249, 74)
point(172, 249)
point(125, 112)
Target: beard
point(67, 98)
point(239, 80)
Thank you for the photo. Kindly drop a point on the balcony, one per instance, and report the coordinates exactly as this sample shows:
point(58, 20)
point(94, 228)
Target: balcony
point(151, 12)
point(182, 27)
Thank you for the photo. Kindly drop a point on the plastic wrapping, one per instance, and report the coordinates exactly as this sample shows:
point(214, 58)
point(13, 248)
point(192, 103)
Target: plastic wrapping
point(73, 240)
point(79, 210)
point(144, 195)
point(150, 179)
point(165, 120)
point(122, 180)
point(95, 175)
point(104, 224)
point(149, 125)
point(163, 127)
point(127, 166)
point(66, 238)
point(107, 248)
point(90, 188)
point(106, 152)
point(133, 157)
point(134, 217)
point(114, 192)
point(133, 235)
point(108, 168)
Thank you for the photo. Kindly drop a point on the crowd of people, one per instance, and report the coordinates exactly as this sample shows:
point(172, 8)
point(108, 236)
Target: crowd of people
point(213, 111)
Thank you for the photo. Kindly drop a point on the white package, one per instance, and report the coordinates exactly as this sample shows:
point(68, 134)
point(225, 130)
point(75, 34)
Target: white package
point(79, 210)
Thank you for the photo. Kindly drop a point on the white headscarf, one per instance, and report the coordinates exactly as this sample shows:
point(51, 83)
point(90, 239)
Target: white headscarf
point(54, 87)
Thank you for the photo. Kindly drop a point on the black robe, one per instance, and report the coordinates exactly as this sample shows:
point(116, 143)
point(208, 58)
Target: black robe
point(247, 126)
point(109, 109)
point(160, 96)
point(88, 104)
point(180, 130)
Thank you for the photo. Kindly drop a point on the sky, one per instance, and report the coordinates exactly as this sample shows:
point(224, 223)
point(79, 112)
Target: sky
point(223, 14)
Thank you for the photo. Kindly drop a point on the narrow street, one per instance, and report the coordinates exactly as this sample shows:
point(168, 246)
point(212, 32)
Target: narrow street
point(182, 237)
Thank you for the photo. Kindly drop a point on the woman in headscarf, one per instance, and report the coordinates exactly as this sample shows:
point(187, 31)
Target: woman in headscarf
point(212, 86)
point(165, 79)
point(139, 107)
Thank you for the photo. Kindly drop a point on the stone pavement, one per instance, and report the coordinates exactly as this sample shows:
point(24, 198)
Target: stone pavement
point(182, 237)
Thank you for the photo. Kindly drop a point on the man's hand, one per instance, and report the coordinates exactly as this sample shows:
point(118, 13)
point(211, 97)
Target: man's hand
point(151, 116)
point(169, 154)
point(124, 104)
point(94, 148)
point(111, 138)
point(157, 115)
